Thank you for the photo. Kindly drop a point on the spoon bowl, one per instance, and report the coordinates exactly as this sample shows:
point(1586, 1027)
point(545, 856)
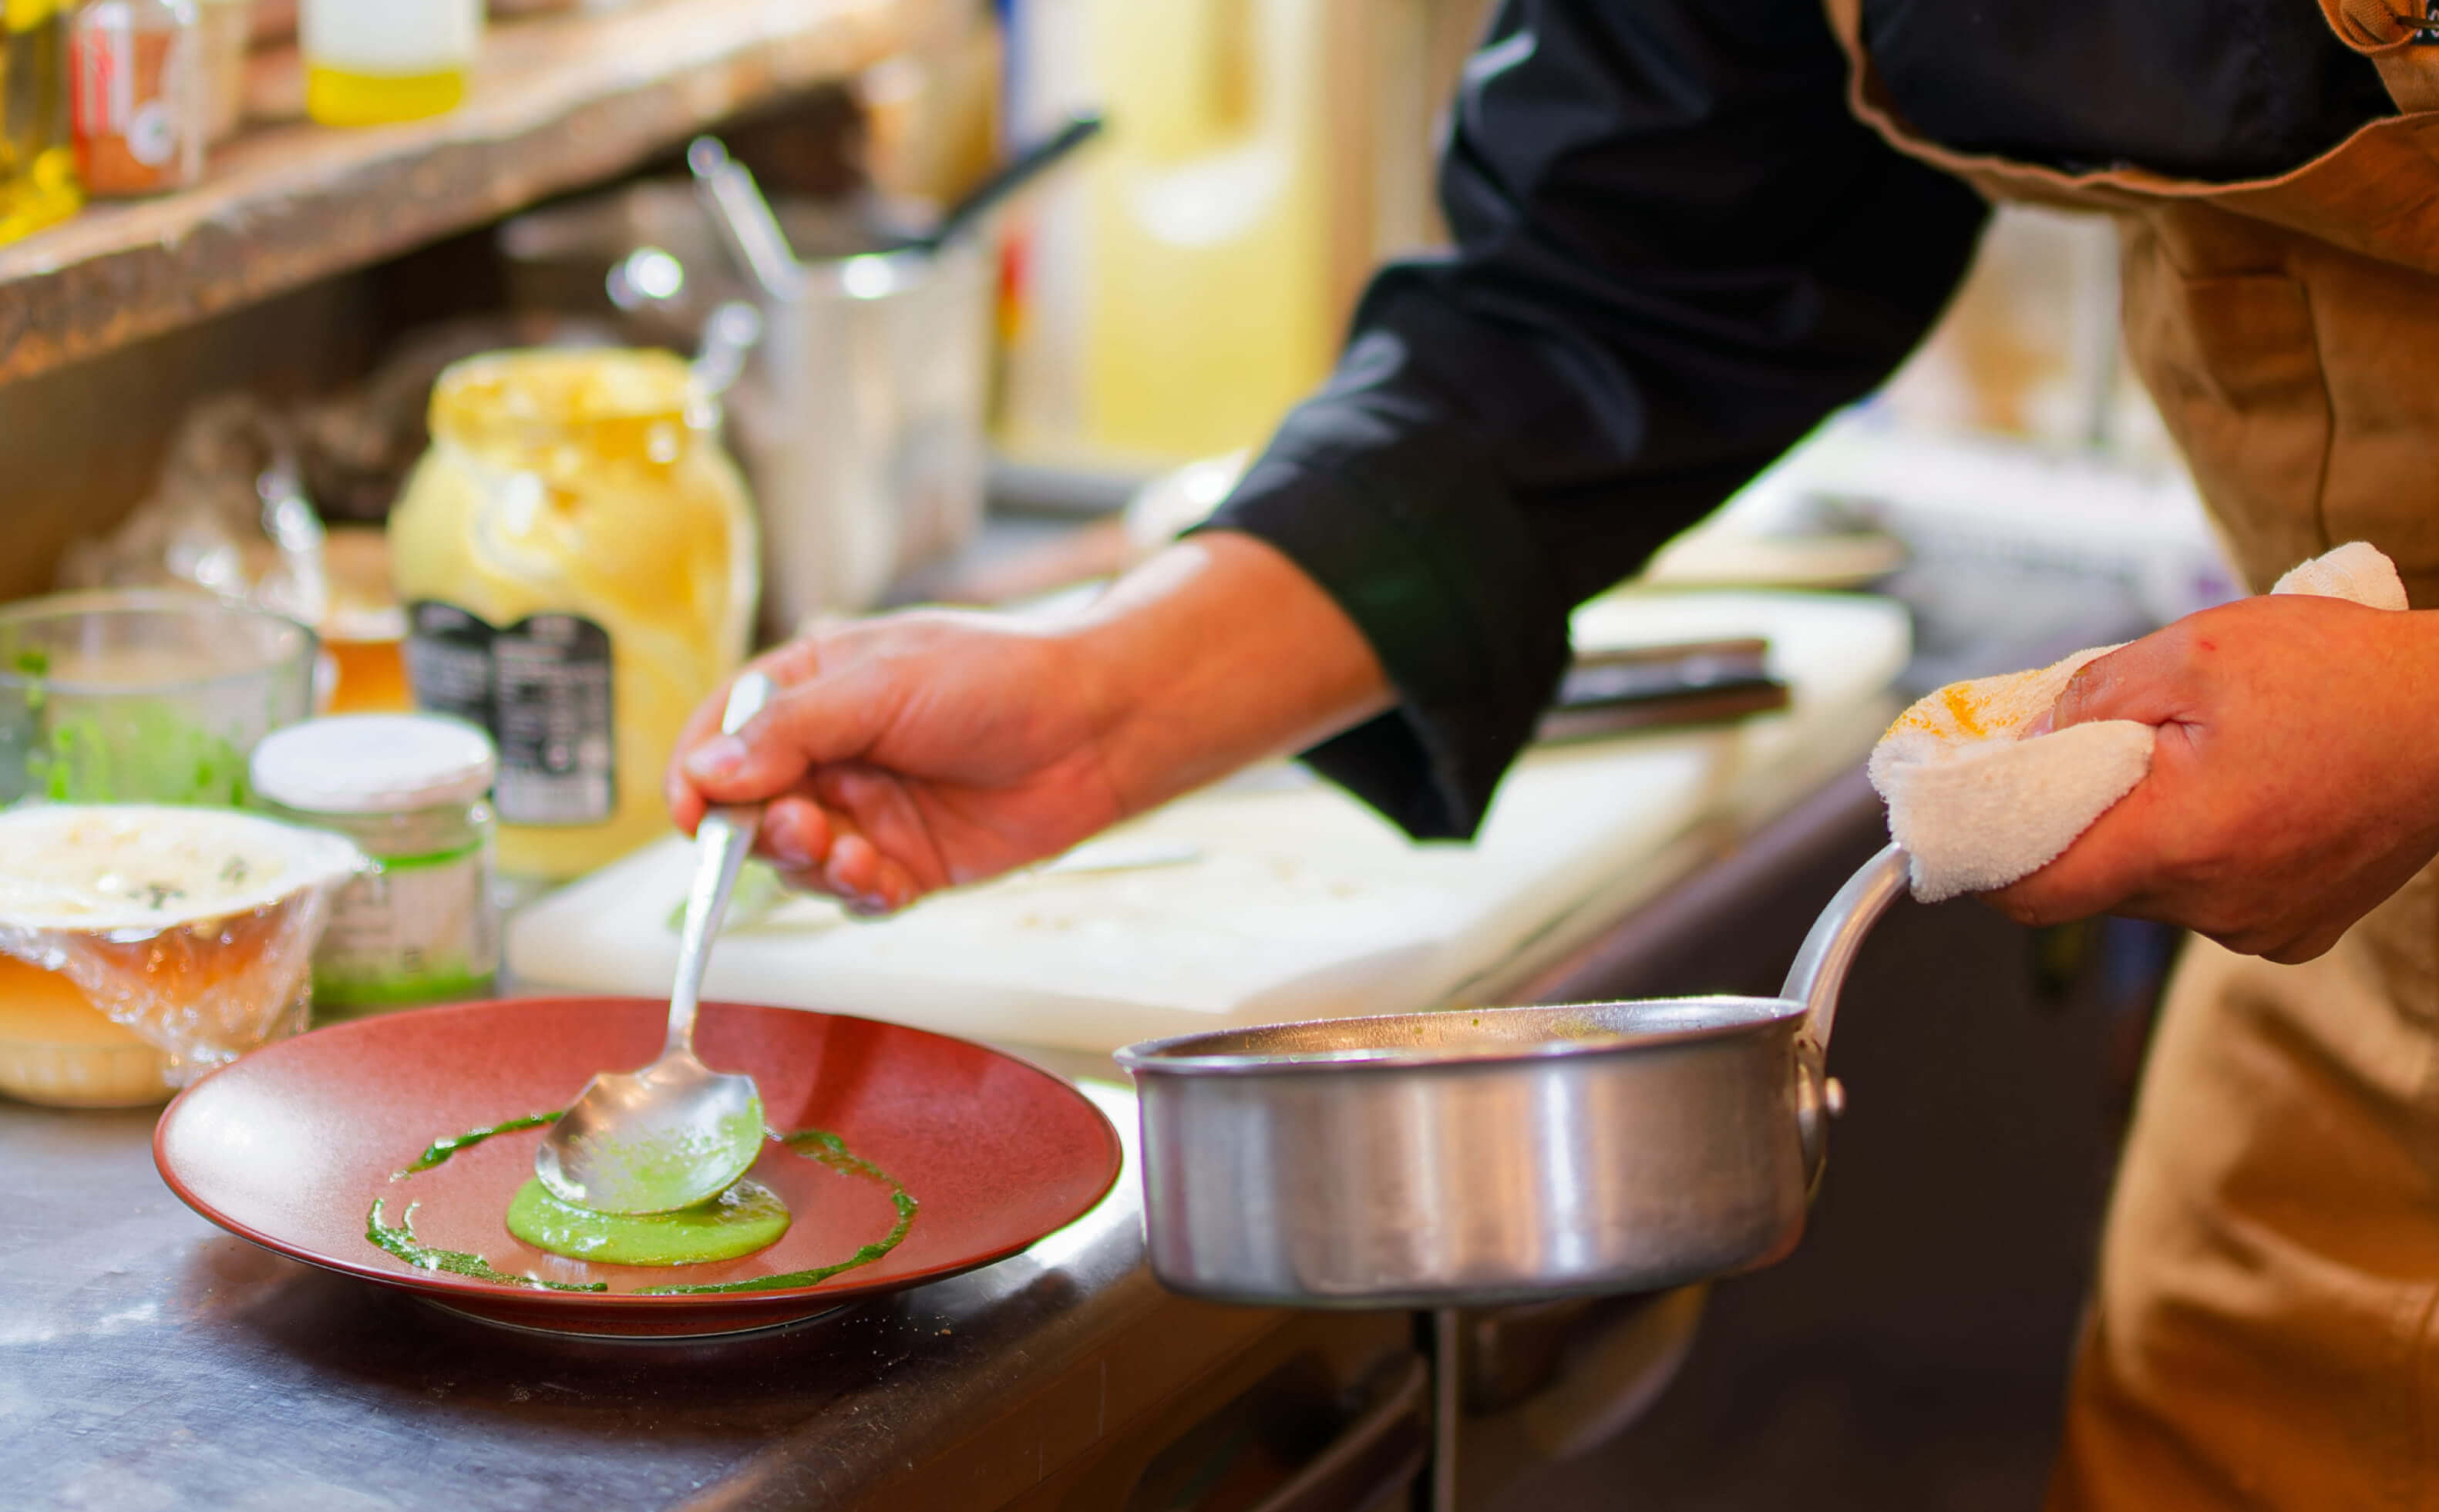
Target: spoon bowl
point(669, 1136)
point(676, 1133)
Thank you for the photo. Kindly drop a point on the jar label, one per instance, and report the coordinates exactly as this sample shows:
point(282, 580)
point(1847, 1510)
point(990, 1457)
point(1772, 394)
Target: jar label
point(419, 929)
point(153, 133)
point(542, 687)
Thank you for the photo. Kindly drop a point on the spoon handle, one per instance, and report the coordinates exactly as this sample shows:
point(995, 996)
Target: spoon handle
point(721, 844)
point(1007, 178)
point(744, 219)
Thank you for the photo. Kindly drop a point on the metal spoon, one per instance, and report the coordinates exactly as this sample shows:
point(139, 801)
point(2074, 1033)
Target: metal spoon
point(746, 223)
point(676, 1133)
point(744, 219)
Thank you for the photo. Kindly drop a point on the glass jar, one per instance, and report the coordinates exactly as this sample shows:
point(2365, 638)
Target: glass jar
point(38, 181)
point(142, 104)
point(576, 556)
point(411, 792)
point(395, 61)
point(363, 629)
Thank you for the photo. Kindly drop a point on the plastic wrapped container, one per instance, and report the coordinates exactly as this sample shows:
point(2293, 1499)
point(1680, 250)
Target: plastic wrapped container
point(576, 556)
point(57, 1048)
point(189, 929)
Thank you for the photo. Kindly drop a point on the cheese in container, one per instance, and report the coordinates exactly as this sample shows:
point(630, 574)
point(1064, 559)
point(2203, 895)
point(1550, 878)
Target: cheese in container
point(146, 944)
point(413, 793)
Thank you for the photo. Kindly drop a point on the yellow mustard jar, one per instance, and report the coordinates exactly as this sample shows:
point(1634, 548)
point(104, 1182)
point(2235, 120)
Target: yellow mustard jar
point(578, 561)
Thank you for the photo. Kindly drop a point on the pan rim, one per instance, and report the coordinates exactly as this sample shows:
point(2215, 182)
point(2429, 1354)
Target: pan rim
point(1176, 1056)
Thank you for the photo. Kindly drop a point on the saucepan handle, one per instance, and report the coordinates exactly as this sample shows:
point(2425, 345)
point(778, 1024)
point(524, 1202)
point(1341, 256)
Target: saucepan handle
point(1819, 968)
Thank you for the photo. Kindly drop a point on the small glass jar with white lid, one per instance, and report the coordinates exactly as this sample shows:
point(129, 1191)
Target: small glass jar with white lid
point(413, 790)
point(372, 62)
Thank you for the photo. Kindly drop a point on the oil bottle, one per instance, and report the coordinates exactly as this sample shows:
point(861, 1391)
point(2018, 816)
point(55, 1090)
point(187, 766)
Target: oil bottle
point(38, 181)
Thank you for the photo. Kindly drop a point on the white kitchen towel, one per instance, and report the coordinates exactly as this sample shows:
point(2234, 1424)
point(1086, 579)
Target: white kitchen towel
point(1977, 806)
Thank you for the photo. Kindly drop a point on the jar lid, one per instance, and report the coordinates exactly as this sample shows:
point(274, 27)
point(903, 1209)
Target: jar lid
point(373, 763)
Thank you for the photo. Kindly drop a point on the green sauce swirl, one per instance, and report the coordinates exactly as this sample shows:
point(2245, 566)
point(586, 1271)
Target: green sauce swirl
point(819, 1146)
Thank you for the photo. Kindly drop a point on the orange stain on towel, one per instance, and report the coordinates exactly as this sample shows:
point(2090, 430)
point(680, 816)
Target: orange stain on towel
point(1966, 711)
point(1964, 708)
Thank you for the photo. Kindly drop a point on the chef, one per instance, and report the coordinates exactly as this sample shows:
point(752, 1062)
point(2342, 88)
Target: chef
point(1687, 231)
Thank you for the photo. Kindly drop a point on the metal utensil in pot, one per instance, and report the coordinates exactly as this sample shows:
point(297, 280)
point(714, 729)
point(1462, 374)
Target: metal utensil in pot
point(864, 434)
point(1469, 1158)
point(862, 424)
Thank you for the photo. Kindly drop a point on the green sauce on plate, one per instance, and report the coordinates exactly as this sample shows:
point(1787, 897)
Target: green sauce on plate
point(745, 1217)
point(401, 1241)
point(441, 1149)
point(829, 1149)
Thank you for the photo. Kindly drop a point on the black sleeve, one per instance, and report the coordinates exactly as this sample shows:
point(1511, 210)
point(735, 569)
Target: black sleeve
point(1676, 252)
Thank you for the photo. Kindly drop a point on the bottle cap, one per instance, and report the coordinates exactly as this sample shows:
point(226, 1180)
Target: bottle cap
point(374, 763)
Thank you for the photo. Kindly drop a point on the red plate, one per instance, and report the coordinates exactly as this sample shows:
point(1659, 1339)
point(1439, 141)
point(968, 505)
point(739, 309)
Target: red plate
point(289, 1147)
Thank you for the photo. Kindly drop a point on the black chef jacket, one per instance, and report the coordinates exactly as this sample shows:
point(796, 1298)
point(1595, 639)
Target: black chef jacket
point(1676, 252)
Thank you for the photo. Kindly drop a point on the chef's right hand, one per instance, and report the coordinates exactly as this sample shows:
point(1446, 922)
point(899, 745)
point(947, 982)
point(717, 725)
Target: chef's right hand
point(918, 751)
point(911, 753)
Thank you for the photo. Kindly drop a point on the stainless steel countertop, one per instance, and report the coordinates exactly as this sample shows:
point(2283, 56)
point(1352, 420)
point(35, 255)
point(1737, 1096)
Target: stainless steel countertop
point(150, 1363)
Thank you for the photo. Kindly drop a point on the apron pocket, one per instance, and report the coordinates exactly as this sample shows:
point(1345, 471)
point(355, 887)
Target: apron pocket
point(2233, 363)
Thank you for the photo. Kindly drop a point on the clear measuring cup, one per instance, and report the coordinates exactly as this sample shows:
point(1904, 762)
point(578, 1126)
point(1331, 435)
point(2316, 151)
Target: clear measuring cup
point(143, 695)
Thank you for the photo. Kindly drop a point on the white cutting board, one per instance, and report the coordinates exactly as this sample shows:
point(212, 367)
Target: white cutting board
point(1300, 902)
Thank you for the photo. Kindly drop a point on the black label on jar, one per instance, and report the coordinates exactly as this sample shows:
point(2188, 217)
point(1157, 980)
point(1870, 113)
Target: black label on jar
point(542, 687)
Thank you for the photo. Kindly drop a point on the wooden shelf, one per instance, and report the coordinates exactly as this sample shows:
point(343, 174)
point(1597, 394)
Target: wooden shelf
point(558, 103)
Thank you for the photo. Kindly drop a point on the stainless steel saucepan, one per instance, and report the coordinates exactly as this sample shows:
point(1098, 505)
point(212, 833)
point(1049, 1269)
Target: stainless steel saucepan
point(1473, 1157)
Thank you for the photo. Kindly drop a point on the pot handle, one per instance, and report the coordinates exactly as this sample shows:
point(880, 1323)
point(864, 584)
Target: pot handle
point(1820, 966)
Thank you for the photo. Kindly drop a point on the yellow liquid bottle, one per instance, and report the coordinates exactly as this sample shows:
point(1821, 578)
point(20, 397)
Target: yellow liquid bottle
point(578, 561)
point(38, 181)
point(363, 629)
point(349, 97)
point(369, 64)
point(1182, 297)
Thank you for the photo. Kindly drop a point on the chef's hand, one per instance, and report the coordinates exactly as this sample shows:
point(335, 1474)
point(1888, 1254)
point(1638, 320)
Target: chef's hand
point(2294, 786)
point(918, 751)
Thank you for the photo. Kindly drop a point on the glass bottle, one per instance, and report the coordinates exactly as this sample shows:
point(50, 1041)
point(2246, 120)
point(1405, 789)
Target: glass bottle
point(141, 101)
point(38, 181)
point(395, 61)
point(413, 793)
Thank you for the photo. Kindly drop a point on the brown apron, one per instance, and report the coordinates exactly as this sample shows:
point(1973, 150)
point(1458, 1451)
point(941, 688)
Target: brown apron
point(2264, 1326)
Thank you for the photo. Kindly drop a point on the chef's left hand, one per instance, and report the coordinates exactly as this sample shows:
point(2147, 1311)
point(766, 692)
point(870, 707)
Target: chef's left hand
point(2294, 786)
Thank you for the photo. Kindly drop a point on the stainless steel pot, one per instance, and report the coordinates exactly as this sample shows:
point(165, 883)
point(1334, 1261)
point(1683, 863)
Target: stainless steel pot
point(861, 419)
point(863, 430)
point(1475, 1157)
